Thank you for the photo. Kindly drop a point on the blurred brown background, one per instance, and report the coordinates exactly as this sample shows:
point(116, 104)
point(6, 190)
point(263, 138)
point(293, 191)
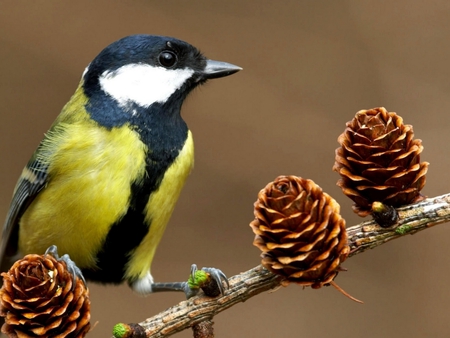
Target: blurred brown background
point(308, 67)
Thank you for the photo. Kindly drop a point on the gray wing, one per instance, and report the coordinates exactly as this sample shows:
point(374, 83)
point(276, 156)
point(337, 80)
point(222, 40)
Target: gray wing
point(31, 182)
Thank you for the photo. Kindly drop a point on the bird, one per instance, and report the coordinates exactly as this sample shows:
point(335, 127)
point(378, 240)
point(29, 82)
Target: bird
point(103, 183)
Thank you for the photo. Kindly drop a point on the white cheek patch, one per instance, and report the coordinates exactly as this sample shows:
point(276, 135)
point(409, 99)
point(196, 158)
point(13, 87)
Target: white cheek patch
point(143, 84)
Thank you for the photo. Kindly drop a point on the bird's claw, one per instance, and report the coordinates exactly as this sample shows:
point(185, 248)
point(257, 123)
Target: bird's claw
point(73, 269)
point(219, 277)
point(206, 279)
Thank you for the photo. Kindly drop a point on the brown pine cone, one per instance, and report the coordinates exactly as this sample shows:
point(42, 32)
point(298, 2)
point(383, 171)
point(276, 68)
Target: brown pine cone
point(38, 299)
point(299, 231)
point(379, 161)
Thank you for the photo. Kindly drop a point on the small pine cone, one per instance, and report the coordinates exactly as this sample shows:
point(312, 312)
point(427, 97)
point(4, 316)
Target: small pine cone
point(38, 299)
point(299, 231)
point(379, 161)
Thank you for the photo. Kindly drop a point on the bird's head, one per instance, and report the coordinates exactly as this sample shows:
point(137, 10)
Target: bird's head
point(146, 69)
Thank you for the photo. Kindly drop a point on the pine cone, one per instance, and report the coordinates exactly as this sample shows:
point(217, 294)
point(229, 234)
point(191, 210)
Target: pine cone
point(299, 231)
point(379, 161)
point(38, 299)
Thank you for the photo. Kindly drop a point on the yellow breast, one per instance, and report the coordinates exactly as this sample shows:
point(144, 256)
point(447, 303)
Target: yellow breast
point(90, 170)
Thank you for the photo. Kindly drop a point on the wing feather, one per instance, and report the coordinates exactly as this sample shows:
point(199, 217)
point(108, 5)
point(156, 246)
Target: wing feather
point(31, 182)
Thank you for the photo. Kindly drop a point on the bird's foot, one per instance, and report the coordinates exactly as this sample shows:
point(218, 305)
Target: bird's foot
point(73, 269)
point(211, 280)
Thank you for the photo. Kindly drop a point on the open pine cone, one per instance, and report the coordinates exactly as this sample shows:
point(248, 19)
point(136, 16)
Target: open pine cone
point(38, 299)
point(299, 231)
point(379, 161)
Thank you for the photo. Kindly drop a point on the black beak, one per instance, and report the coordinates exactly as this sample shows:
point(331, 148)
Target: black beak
point(216, 69)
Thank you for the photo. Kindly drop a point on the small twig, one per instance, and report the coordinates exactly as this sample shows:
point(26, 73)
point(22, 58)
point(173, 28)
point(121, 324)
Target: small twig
point(412, 218)
point(203, 329)
point(366, 235)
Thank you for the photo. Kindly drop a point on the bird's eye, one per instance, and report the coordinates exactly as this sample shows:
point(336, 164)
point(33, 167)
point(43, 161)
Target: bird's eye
point(167, 59)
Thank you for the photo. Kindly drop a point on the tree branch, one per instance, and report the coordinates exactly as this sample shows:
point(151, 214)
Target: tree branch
point(363, 236)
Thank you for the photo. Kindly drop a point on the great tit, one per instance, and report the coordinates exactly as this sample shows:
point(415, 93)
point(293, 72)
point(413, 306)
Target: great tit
point(104, 181)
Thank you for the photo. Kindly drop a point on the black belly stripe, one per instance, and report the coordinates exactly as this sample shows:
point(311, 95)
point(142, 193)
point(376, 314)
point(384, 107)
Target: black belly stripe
point(123, 237)
point(127, 234)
